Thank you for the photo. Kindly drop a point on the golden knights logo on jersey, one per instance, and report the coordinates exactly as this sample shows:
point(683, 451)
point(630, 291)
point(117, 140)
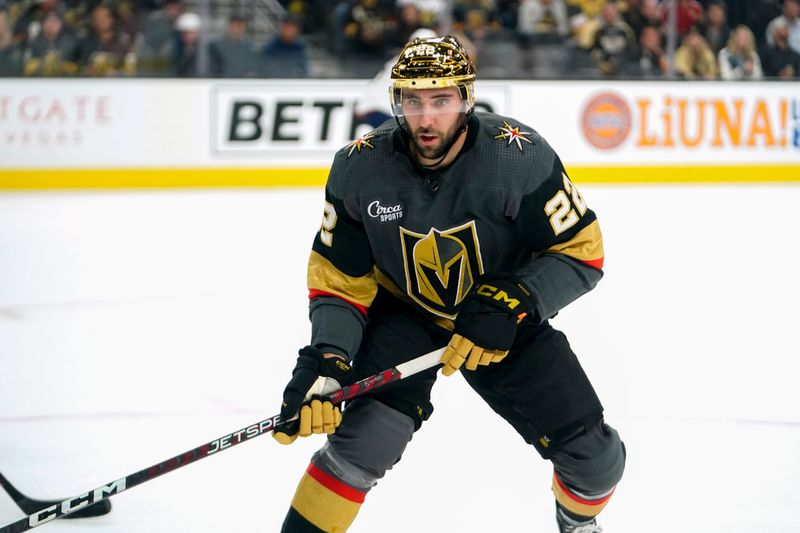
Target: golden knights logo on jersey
point(441, 267)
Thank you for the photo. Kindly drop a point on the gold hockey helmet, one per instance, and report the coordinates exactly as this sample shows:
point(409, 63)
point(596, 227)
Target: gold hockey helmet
point(433, 63)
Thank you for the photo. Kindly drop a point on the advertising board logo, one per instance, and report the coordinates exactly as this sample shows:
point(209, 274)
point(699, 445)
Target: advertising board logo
point(606, 121)
point(38, 119)
point(249, 119)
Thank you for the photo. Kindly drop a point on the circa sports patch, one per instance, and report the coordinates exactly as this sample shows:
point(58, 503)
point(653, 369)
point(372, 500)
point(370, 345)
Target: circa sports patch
point(385, 212)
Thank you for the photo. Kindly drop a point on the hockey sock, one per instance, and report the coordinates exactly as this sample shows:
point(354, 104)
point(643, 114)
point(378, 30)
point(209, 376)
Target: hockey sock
point(579, 507)
point(322, 503)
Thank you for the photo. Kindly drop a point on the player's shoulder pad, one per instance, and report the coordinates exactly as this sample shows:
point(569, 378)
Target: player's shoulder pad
point(523, 154)
point(359, 158)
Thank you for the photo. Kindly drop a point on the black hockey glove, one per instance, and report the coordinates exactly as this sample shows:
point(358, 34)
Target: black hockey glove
point(305, 408)
point(487, 323)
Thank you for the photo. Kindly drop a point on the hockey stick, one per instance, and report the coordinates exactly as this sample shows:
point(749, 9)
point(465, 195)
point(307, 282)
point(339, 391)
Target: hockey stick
point(30, 506)
point(71, 505)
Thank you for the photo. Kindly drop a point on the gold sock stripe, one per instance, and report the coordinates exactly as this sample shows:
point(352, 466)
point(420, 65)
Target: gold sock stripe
point(322, 507)
point(574, 503)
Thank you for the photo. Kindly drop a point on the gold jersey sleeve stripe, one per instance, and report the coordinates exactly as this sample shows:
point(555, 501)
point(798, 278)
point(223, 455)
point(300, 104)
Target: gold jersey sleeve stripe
point(323, 276)
point(327, 510)
point(585, 246)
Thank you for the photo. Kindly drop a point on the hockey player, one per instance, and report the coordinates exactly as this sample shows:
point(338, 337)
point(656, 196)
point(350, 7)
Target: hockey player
point(451, 228)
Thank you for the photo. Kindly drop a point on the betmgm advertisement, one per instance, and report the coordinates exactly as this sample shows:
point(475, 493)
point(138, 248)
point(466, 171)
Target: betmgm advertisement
point(277, 120)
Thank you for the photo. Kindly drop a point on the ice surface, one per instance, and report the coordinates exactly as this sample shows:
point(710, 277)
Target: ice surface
point(137, 325)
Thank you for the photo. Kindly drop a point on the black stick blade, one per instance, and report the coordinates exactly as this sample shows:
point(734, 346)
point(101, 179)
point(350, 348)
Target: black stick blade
point(30, 506)
point(96, 509)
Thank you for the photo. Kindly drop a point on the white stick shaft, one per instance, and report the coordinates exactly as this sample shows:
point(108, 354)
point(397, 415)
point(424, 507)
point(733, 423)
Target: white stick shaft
point(423, 362)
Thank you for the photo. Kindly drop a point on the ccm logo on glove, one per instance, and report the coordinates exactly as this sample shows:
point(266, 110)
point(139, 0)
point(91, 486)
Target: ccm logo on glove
point(490, 291)
point(487, 323)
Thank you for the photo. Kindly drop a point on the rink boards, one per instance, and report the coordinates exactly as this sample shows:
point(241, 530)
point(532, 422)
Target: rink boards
point(261, 133)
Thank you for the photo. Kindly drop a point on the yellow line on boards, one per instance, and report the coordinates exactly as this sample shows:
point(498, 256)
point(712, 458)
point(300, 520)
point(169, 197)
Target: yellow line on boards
point(160, 178)
point(699, 174)
point(199, 178)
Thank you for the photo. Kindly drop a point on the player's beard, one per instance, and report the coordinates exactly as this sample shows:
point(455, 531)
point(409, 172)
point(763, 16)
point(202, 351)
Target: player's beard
point(439, 149)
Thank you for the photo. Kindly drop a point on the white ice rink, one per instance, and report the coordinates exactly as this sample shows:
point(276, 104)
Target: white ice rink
point(135, 326)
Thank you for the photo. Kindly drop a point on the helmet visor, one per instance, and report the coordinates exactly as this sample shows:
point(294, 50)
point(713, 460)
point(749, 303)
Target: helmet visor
point(411, 103)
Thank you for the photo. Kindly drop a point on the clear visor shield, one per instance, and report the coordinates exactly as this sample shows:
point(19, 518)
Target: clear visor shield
point(413, 103)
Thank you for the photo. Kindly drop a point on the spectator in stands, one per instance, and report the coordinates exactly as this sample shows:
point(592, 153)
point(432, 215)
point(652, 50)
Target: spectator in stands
point(584, 20)
point(10, 52)
point(400, 24)
point(185, 60)
point(589, 8)
point(299, 10)
point(633, 16)
point(408, 21)
point(156, 42)
point(755, 14)
point(233, 55)
point(543, 21)
point(339, 26)
point(462, 10)
point(739, 60)
point(431, 12)
point(649, 13)
point(791, 16)
point(778, 59)
point(31, 18)
point(314, 14)
point(478, 20)
point(715, 30)
point(52, 52)
point(507, 11)
point(126, 16)
point(366, 31)
point(694, 59)
point(614, 42)
point(690, 14)
point(159, 26)
point(652, 61)
point(104, 51)
point(285, 55)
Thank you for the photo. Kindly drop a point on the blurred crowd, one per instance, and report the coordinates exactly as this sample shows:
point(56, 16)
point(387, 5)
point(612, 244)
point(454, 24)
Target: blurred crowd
point(692, 39)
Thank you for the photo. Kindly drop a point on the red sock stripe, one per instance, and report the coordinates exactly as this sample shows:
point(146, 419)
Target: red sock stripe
point(334, 485)
point(577, 498)
point(313, 293)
